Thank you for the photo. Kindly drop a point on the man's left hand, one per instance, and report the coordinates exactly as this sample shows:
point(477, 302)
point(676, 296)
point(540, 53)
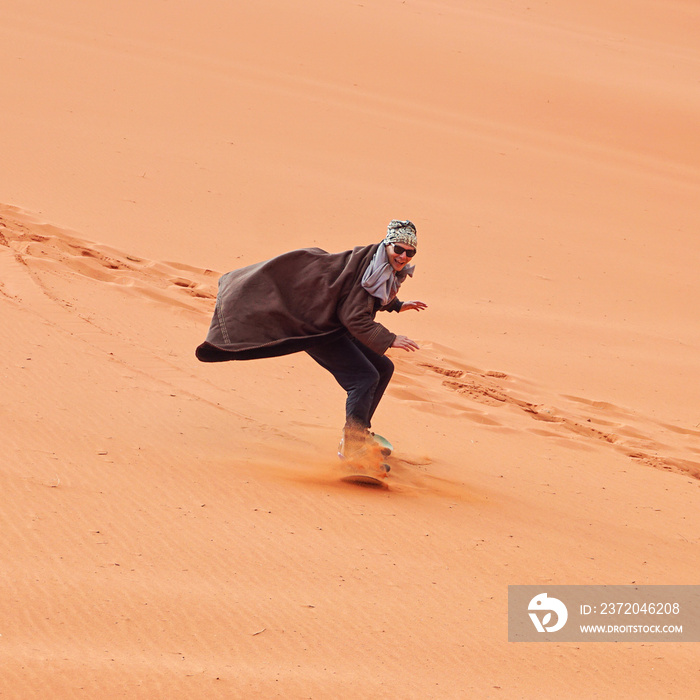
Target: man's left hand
point(413, 305)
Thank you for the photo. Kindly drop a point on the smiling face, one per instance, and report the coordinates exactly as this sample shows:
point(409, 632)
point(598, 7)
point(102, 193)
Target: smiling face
point(398, 260)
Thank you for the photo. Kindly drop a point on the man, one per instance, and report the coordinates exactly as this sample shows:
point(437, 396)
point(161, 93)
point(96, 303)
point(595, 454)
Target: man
point(324, 304)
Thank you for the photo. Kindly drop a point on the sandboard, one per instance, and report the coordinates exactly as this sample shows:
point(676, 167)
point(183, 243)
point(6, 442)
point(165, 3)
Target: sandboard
point(372, 459)
point(387, 447)
point(365, 480)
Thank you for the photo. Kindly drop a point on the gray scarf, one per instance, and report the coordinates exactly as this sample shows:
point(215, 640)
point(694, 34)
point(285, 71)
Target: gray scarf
point(380, 278)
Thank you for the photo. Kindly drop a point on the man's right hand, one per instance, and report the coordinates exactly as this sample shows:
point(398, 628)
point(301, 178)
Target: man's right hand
point(405, 343)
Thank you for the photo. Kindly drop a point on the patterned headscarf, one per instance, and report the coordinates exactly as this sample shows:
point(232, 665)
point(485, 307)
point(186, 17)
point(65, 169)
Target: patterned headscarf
point(380, 279)
point(401, 232)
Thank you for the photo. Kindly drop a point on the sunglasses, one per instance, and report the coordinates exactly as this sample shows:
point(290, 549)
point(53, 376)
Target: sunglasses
point(398, 249)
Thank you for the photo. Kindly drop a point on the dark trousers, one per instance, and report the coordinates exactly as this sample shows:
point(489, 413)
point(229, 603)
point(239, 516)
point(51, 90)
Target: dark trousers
point(360, 371)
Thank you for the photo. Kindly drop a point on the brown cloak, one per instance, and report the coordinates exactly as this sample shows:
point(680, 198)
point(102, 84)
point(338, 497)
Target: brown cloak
point(292, 302)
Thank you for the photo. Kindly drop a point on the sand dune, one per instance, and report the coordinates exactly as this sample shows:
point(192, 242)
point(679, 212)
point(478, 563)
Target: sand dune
point(174, 533)
point(178, 530)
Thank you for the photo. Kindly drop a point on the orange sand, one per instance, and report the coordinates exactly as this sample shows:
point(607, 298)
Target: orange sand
point(177, 530)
